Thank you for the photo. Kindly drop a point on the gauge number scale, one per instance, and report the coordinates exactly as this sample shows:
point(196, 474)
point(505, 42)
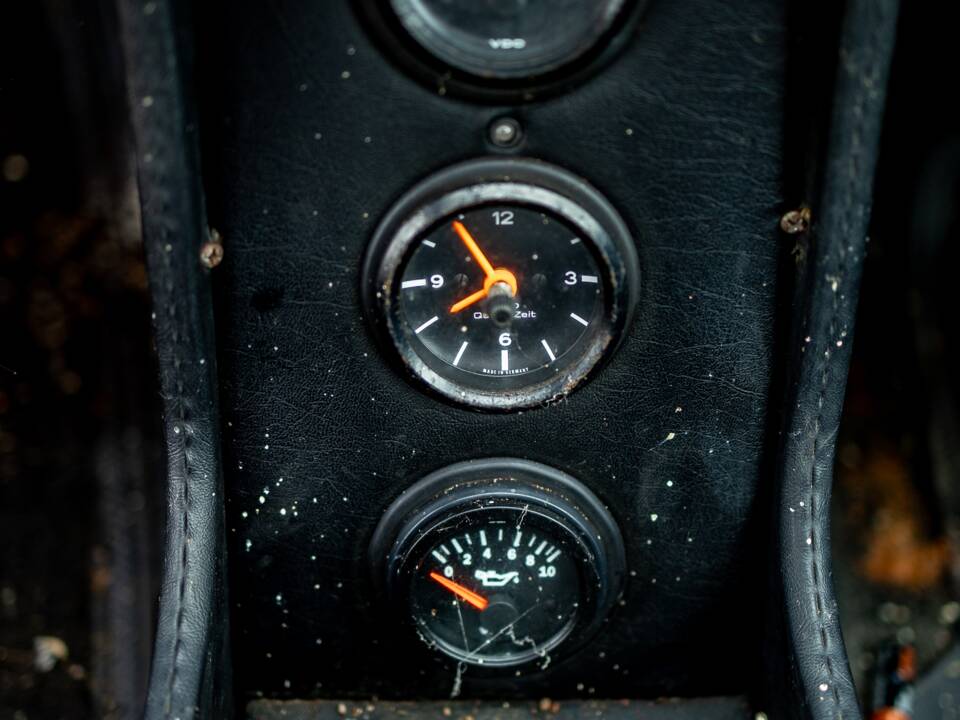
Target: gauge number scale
point(499, 563)
point(496, 595)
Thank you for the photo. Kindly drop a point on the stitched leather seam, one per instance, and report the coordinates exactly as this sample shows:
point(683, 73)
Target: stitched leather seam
point(814, 539)
point(186, 431)
point(849, 207)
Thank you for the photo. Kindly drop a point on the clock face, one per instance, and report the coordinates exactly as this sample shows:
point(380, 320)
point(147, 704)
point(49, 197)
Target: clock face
point(502, 291)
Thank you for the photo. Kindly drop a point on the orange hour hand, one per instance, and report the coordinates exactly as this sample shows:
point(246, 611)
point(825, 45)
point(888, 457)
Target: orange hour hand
point(468, 300)
point(478, 601)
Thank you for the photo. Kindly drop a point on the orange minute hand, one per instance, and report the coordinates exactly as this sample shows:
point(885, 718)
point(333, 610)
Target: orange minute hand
point(478, 601)
point(473, 248)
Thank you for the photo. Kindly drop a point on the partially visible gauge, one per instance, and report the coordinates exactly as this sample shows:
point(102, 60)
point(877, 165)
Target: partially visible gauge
point(507, 39)
point(502, 283)
point(500, 562)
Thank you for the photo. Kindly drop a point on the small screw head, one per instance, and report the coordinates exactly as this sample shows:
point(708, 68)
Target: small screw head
point(795, 221)
point(211, 252)
point(505, 132)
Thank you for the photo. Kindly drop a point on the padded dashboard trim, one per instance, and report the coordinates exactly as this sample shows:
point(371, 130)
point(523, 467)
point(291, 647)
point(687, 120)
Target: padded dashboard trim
point(190, 673)
point(830, 278)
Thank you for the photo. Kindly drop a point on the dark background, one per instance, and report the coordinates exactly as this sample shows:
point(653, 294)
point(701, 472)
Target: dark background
point(81, 508)
point(81, 476)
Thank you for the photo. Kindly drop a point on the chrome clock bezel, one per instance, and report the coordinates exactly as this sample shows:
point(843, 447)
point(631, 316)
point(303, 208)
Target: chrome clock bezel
point(526, 182)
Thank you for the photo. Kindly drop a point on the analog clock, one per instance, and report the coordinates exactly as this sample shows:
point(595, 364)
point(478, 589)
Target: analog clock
point(501, 283)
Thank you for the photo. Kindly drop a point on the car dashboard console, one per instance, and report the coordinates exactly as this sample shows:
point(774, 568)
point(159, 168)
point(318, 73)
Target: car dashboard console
point(502, 347)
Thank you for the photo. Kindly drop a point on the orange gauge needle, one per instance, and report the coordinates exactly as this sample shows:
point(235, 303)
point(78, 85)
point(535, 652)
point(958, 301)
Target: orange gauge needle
point(478, 601)
point(473, 248)
point(468, 300)
point(493, 275)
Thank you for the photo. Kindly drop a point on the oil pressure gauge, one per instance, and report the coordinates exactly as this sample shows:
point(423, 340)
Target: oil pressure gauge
point(502, 283)
point(500, 563)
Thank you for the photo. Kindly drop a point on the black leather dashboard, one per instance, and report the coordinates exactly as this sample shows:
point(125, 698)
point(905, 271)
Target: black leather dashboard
point(308, 133)
point(314, 135)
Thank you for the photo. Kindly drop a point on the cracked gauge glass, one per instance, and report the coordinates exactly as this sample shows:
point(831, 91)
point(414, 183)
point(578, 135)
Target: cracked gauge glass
point(500, 562)
point(503, 294)
point(493, 590)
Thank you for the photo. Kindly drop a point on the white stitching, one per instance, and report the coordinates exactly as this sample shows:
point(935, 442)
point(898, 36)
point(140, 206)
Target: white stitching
point(186, 432)
point(850, 206)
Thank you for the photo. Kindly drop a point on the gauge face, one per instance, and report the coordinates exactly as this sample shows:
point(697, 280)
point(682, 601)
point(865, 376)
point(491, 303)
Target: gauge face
point(502, 283)
point(507, 38)
point(499, 563)
point(547, 291)
point(490, 592)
